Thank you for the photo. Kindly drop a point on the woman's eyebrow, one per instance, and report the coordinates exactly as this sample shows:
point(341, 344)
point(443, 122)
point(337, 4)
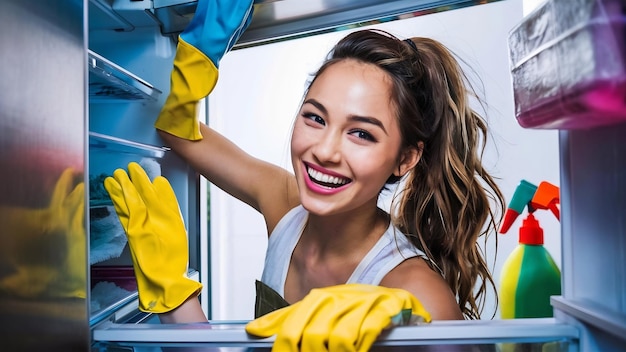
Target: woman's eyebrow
point(367, 119)
point(317, 104)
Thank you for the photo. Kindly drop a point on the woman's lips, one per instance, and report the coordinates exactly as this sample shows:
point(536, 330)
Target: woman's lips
point(324, 181)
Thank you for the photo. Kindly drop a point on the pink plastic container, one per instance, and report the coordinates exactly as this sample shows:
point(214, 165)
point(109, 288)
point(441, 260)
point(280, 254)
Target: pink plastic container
point(568, 64)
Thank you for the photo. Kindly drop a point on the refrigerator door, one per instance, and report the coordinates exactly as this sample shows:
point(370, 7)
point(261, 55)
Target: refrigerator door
point(43, 247)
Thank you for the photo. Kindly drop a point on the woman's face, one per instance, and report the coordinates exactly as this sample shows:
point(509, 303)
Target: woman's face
point(346, 140)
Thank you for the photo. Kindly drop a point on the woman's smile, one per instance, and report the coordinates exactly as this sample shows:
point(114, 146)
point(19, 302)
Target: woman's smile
point(324, 181)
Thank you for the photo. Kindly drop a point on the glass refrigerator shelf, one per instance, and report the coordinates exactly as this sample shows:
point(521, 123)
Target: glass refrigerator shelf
point(108, 82)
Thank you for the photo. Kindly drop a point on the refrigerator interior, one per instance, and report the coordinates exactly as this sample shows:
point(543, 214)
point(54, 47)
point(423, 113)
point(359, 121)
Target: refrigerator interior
point(129, 64)
point(128, 81)
point(56, 49)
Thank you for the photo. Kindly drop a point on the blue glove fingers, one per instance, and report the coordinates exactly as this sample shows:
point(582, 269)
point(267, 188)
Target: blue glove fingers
point(217, 25)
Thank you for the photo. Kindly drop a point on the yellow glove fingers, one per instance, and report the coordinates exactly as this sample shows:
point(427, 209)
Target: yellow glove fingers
point(346, 332)
point(390, 304)
point(164, 190)
point(307, 311)
point(71, 282)
point(374, 322)
point(76, 204)
point(419, 312)
point(411, 302)
point(370, 315)
point(159, 198)
point(269, 324)
point(119, 202)
point(132, 199)
point(142, 184)
point(62, 188)
point(320, 328)
point(167, 197)
point(125, 197)
point(128, 190)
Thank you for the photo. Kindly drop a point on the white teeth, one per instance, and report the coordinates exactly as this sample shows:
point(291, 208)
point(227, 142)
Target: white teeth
point(318, 176)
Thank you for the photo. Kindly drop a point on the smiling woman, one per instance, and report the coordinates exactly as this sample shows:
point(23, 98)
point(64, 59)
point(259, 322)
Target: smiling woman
point(379, 110)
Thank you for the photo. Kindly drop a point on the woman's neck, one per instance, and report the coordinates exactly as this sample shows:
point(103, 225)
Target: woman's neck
point(330, 249)
point(343, 233)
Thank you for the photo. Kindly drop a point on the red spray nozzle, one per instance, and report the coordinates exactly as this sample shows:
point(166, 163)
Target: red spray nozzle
point(547, 197)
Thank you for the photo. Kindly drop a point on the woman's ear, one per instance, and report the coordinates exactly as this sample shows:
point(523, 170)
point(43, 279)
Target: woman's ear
point(408, 159)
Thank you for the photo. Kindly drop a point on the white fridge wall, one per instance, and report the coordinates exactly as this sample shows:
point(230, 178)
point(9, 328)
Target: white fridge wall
point(258, 95)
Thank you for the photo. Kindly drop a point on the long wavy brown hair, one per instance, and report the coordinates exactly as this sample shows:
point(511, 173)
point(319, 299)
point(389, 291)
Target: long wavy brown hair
point(448, 200)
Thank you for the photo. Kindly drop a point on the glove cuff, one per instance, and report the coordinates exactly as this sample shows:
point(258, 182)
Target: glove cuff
point(165, 299)
point(193, 78)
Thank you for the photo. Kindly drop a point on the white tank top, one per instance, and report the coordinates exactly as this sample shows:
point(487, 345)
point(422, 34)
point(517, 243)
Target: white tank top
point(391, 249)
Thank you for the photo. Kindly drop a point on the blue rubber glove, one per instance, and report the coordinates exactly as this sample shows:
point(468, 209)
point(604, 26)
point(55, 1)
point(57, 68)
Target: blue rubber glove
point(214, 29)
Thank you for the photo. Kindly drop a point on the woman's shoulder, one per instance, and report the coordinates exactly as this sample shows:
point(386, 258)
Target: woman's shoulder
point(294, 217)
point(416, 276)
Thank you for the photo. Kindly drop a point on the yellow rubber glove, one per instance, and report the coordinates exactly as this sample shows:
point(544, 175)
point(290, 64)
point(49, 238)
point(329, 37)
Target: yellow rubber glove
point(157, 237)
point(214, 29)
point(46, 254)
point(339, 318)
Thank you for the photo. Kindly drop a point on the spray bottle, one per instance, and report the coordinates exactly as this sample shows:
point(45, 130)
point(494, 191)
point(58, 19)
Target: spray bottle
point(529, 275)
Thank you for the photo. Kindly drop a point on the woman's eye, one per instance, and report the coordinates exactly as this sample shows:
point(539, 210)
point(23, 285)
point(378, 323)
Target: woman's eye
point(363, 135)
point(314, 118)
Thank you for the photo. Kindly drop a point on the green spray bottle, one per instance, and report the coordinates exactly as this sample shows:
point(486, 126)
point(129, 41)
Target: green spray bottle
point(529, 275)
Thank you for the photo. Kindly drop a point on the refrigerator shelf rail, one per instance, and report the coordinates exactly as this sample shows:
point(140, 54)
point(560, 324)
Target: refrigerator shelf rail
point(109, 82)
point(115, 144)
point(116, 310)
point(593, 314)
point(232, 334)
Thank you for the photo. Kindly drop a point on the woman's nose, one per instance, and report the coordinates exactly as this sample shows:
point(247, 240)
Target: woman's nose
point(328, 148)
